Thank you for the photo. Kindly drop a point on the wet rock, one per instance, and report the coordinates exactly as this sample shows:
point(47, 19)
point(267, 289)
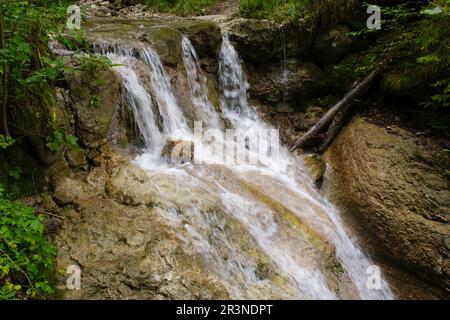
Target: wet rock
point(126, 186)
point(166, 42)
point(178, 151)
point(97, 180)
point(393, 184)
point(256, 40)
point(259, 41)
point(316, 167)
point(205, 36)
point(271, 83)
point(128, 253)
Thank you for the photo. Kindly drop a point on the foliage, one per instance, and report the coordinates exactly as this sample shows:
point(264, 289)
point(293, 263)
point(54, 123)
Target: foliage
point(181, 7)
point(414, 48)
point(58, 138)
point(6, 142)
point(26, 257)
point(33, 70)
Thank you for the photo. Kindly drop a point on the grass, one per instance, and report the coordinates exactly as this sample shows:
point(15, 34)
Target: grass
point(181, 7)
point(323, 12)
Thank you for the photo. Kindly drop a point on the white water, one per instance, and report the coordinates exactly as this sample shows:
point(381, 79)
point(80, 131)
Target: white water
point(205, 111)
point(243, 217)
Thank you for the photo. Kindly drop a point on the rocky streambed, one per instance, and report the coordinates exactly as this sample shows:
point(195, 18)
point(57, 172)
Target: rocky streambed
point(167, 232)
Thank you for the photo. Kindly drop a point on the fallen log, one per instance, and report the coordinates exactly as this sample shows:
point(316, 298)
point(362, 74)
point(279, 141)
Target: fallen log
point(335, 127)
point(355, 92)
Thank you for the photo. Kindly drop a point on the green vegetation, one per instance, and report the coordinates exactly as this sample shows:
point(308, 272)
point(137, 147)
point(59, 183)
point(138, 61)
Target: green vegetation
point(413, 46)
point(321, 12)
point(28, 74)
point(28, 69)
point(181, 7)
point(26, 258)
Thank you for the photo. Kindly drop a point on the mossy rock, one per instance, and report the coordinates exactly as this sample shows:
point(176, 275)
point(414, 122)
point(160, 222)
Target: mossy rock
point(205, 36)
point(94, 101)
point(165, 41)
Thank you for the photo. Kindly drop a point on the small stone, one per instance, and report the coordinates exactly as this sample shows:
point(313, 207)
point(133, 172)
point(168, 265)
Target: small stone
point(75, 158)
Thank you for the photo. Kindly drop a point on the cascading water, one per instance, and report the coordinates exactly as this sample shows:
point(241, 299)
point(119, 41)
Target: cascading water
point(137, 96)
point(262, 229)
point(198, 86)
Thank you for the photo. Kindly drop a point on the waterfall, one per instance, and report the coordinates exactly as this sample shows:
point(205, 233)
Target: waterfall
point(198, 86)
point(136, 95)
point(174, 121)
point(232, 80)
point(262, 229)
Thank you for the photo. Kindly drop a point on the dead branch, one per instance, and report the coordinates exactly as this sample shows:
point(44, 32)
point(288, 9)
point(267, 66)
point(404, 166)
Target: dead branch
point(354, 93)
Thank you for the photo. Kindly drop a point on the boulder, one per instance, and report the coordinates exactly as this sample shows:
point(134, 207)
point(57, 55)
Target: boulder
point(94, 105)
point(75, 158)
point(394, 184)
point(178, 151)
point(256, 40)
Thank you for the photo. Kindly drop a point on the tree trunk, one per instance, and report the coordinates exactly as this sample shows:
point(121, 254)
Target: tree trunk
point(4, 119)
point(331, 114)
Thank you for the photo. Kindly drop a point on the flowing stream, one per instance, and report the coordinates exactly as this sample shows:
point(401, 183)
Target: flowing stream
point(246, 206)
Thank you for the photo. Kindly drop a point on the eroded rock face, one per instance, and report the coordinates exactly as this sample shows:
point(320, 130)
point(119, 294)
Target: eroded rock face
point(297, 82)
point(166, 41)
point(205, 36)
point(395, 185)
point(259, 41)
point(124, 248)
point(256, 40)
point(128, 253)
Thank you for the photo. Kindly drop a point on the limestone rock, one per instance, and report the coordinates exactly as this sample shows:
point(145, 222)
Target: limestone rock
point(128, 253)
point(394, 185)
point(75, 158)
